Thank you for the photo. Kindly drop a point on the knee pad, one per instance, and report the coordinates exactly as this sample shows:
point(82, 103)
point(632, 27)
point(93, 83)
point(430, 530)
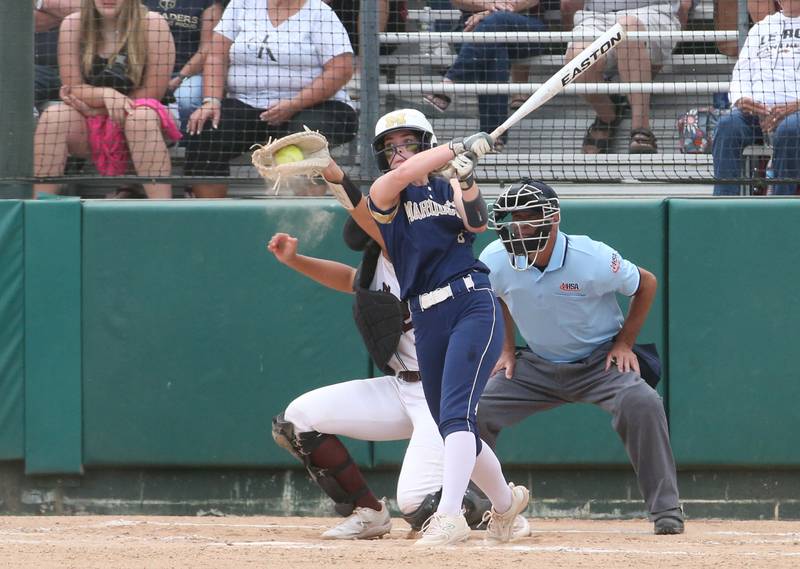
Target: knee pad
point(475, 505)
point(425, 510)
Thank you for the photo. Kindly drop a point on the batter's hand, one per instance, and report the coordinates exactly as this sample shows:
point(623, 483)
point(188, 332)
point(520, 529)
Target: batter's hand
point(284, 247)
point(480, 144)
point(622, 356)
point(506, 361)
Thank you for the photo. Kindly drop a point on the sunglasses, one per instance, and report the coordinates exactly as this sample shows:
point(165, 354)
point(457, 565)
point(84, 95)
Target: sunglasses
point(390, 150)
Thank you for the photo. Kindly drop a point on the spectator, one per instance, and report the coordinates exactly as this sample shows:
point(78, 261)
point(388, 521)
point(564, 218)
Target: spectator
point(191, 23)
point(286, 68)
point(48, 15)
point(392, 16)
point(726, 14)
point(634, 59)
point(115, 60)
point(765, 91)
point(489, 62)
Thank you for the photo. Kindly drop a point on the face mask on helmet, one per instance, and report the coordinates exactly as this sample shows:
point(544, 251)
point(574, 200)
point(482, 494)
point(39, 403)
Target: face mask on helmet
point(523, 217)
point(403, 119)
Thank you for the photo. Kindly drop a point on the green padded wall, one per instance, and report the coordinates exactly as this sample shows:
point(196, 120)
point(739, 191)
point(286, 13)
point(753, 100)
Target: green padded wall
point(733, 314)
point(12, 330)
point(53, 336)
point(195, 336)
point(582, 434)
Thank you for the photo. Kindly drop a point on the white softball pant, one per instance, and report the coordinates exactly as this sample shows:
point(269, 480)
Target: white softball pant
point(379, 409)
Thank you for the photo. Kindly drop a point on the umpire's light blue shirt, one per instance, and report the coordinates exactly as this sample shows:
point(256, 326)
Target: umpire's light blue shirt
point(567, 311)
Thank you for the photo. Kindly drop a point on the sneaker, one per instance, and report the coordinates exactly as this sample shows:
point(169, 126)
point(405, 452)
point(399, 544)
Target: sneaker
point(668, 525)
point(500, 527)
point(441, 529)
point(363, 523)
point(521, 528)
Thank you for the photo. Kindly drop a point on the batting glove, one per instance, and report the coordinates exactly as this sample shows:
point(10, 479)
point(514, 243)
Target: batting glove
point(480, 144)
point(464, 165)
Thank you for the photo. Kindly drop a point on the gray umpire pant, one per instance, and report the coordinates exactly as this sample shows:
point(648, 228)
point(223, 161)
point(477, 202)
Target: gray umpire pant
point(636, 409)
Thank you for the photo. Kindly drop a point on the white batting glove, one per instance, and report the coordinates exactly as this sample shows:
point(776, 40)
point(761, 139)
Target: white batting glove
point(480, 144)
point(464, 165)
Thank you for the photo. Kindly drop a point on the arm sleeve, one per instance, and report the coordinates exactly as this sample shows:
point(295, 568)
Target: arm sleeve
point(383, 216)
point(331, 38)
point(228, 25)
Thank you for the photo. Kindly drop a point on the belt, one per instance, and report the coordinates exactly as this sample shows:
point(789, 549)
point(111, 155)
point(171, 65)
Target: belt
point(409, 376)
point(434, 297)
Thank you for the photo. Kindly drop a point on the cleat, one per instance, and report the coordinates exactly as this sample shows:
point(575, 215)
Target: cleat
point(500, 527)
point(363, 523)
point(441, 529)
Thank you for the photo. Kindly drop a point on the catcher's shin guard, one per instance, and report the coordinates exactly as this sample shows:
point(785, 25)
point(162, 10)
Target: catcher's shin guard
point(302, 447)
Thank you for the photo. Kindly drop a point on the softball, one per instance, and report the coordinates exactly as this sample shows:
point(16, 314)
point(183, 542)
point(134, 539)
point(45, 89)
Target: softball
point(287, 154)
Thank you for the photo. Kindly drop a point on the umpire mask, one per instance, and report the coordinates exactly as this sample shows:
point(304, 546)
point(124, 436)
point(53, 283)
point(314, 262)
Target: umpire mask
point(523, 216)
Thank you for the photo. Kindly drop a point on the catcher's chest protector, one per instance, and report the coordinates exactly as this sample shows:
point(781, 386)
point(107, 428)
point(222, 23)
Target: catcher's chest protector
point(378, 315)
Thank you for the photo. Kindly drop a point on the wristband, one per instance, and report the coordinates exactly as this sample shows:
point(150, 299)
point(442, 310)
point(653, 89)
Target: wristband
point(347, 193)
point(476, 211)
point(215, 100)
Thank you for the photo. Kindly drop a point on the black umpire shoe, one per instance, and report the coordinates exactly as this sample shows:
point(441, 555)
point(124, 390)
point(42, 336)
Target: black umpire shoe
point(668, 525)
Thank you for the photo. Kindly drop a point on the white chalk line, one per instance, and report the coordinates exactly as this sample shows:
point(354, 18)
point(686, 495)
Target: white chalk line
point(206, 541)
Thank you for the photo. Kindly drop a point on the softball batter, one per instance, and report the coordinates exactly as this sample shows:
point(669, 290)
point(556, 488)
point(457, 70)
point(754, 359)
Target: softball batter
point(428, 225)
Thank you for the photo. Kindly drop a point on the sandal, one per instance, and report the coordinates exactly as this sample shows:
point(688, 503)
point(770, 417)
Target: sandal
point(593, 144)
point(517, 101)
point(643, 141)
point(438, 102)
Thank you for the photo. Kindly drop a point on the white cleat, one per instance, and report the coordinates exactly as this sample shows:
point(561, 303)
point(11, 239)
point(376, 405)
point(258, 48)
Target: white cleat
point(500, 527)
point(363, 523)
point(441, 529)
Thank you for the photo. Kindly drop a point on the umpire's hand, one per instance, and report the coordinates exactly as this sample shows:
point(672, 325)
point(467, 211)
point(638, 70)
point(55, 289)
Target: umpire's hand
point(506, 361)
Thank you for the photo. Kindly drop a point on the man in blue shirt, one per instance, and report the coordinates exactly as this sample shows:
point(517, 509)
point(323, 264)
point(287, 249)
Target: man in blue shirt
point(560, 290)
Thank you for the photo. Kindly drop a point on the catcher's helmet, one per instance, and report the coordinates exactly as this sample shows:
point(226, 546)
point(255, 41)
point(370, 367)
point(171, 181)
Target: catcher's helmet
point(402, 119)
point(525, 238)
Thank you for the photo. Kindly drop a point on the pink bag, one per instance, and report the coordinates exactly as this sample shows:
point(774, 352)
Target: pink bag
point(107, 140)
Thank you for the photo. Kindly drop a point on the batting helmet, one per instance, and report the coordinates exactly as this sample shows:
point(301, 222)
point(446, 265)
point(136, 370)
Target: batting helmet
point(402, 119)
point(525, 238)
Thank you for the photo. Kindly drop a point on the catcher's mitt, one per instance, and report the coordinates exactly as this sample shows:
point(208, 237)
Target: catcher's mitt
point(315, 156)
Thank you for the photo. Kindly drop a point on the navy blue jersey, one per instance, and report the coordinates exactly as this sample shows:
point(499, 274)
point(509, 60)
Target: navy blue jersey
point(427, 241)
point(185, 18)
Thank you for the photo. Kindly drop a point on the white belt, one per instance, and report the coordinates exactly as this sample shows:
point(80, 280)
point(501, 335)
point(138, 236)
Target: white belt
point(434, 297)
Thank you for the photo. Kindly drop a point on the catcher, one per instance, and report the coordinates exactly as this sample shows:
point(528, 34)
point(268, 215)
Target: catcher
point(389, 407)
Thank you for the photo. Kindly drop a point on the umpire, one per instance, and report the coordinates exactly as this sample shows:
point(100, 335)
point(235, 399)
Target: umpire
point(560, 291)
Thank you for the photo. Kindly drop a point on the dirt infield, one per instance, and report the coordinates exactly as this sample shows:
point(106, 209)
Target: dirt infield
point(233, 542)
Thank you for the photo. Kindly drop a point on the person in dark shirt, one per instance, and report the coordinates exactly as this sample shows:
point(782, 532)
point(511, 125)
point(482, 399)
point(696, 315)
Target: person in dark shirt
point(191, 23)
point(47, 16)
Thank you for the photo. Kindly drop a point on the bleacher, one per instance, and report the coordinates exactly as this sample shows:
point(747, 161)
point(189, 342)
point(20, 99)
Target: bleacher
point(547, 143)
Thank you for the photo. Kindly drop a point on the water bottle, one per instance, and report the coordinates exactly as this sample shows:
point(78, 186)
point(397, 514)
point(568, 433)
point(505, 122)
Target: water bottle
point(769, 174)
point(425, 44)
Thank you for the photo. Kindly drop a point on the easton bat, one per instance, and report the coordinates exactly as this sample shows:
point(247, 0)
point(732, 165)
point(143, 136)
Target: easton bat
point(566, 75)
point(558, 82)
